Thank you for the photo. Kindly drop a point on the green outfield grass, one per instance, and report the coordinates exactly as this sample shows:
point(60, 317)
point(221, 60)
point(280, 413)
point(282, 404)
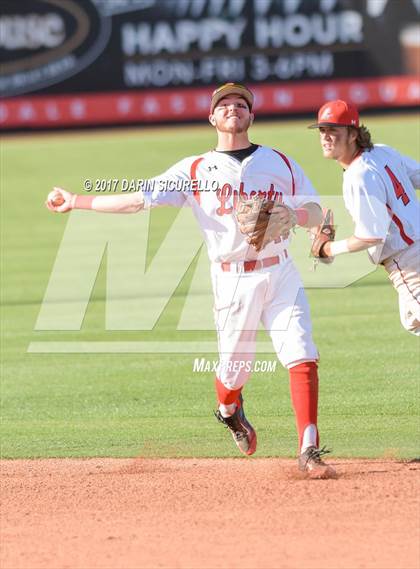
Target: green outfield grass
point(80, 405)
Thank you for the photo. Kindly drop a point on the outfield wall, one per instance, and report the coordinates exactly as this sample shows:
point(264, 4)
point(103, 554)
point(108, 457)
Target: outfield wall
point(92, 62)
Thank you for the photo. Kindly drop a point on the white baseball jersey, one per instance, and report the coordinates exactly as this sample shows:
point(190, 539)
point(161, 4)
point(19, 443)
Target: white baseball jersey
point(379, 193)
point(272, 295)
point(220, 180)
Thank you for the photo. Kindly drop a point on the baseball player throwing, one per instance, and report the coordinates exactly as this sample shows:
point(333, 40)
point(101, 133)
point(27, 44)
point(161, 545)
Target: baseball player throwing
point(379, 193)
point(258, 196)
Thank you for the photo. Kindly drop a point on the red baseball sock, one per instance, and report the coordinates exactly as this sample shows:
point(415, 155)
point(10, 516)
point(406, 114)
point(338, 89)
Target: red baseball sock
point(226, 396)
point(304, 393)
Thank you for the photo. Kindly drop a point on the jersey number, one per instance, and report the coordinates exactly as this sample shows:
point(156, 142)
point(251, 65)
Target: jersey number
point(398, 188)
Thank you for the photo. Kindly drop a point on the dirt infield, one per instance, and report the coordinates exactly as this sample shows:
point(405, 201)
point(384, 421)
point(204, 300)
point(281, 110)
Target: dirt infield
point(202, 513)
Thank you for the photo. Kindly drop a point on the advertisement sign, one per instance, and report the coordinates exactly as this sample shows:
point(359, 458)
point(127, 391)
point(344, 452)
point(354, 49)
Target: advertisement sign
point(64, 61)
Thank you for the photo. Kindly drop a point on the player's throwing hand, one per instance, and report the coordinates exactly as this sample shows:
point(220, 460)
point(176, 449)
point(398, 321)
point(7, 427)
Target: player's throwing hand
point(60, 201)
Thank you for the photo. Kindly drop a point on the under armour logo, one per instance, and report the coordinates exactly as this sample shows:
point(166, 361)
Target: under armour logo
point(210, 168)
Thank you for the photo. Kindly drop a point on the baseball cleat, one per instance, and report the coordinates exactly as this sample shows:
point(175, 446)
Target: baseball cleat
point(310, 462)
point(242, 431)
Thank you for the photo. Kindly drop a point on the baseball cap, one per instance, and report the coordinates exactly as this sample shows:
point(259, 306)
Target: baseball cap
point(337, 113)
point(231, 89)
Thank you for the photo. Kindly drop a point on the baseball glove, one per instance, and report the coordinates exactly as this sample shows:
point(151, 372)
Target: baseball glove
point(322, 233)
point(264, 221)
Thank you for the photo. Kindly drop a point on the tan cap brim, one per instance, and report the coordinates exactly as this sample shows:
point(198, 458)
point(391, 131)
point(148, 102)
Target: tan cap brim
point(231, 89)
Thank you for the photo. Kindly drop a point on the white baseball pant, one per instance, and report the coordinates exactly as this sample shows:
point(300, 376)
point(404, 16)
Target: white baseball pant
point(404, 273)
point(273, 296)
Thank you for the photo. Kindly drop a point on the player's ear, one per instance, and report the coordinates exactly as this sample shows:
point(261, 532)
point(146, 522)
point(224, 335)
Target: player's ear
point(251, 118)
point(353, 133)
point(212, 120)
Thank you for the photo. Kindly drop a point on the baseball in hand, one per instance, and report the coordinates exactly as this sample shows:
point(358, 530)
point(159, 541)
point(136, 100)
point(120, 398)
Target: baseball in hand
point(56, 199)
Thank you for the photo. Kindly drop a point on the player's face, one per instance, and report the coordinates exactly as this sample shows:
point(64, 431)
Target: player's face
point(232, 115)
point(335, 142)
